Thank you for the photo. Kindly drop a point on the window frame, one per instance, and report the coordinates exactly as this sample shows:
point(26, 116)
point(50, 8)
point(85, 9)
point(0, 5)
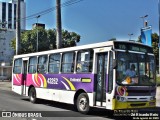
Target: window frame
point(32, 65)
point(90, 61)
point(72, 63)
point(17, 66)
point(46, 64)
point(54, 63)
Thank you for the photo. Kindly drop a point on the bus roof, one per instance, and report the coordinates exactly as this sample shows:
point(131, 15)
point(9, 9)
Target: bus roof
point(81, 47)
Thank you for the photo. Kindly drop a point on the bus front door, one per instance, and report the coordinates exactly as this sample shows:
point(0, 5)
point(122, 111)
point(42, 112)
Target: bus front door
point(24, 77)
point(100, 84)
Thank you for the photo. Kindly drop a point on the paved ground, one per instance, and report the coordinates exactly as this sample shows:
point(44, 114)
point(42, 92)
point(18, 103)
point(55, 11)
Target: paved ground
point(6, 85)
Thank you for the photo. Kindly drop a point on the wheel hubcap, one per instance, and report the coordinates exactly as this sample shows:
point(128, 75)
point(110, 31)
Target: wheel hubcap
point(32, 95)
point(83, 103)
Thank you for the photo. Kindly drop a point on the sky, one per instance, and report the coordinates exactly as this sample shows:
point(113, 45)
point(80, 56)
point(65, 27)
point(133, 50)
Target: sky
point(98, 20)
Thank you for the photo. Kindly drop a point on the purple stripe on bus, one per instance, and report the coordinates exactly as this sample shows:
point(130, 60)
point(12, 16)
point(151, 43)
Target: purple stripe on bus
point(62, 81)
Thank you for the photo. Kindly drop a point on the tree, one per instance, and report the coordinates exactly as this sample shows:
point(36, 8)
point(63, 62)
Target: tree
point(155, 41)
point(46, 40)
point(112, 39)
point(69, 38)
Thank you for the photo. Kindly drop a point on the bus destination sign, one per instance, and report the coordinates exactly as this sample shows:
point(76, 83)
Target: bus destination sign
point(132, 47)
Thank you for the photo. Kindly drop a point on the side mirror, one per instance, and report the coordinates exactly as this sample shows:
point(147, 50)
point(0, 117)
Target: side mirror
point(114, 64)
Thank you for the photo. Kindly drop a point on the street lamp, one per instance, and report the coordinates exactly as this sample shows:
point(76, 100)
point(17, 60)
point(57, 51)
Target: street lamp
point(143, 19)
point(130, 35)
point(37, 29)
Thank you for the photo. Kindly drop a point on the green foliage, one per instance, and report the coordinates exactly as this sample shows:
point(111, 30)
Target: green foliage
point(155, 41)
point(112, 39)
point(69, 38)
point(46, 40)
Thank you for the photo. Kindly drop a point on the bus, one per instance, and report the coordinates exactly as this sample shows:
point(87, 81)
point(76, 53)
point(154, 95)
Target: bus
point(93, 75)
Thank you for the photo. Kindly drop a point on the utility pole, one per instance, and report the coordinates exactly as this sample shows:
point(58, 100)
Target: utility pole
point(18, 28)
point(159, 34)
point(37, 30)
point(58, 24)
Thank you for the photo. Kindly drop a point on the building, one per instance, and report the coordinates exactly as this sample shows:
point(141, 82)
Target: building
point(7, 33)
point(8, 14)
point(38, 25)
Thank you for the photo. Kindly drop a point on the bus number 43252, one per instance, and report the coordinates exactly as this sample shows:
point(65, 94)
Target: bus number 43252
point(52, 80)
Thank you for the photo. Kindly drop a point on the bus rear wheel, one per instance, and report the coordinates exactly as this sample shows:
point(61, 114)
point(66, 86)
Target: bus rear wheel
point(32, 95)
point(82, 103)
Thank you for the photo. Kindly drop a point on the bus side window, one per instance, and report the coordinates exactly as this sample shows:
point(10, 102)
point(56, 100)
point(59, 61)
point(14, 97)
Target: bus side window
point(42, 64)
point(84, 61)
point(17, 66)
point(54, 63)
point(32, 65)
point(68, 62)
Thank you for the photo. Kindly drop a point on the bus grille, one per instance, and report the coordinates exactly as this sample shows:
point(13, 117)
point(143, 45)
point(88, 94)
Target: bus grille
point(136, 105)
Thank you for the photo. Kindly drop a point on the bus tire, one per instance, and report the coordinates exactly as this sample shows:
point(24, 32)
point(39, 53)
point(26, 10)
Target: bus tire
point(82, 103)
point(32, 95)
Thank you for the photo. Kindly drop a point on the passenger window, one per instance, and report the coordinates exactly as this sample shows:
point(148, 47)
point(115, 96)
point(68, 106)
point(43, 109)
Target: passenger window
point(54, 63)
point(68, 62)
point(17, 66)
point(42, 64)
point(32, 65)
point(84, 61)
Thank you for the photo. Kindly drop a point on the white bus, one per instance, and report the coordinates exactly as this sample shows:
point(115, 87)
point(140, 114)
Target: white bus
point(94, 75)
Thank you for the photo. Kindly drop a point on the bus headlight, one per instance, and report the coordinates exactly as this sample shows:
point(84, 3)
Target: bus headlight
point(122, 99)
point(151, 98)
point(118, 98)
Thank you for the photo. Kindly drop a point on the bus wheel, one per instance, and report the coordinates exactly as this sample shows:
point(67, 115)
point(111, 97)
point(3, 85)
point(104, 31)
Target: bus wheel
point(32, 95)
point(83, 103)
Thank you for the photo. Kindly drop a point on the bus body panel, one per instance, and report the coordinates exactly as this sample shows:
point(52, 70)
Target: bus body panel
point(17, 79)
point(17, 89)
point(17, 83)
point(70, 82)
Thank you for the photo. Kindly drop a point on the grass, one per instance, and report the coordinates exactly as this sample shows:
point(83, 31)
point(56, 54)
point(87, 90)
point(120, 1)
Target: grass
point(158, 80)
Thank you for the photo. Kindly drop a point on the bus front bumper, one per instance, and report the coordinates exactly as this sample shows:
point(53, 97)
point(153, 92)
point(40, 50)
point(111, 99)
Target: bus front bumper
point(128, 104)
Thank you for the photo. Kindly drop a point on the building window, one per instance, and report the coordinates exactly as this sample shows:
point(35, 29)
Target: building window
point(54, 63)
point(3, 14)
point(17, 66)
point(15, 7)
point(84, 61)
point(9, 15)
point(42, 64)
point(32, 65)
point(68, 62)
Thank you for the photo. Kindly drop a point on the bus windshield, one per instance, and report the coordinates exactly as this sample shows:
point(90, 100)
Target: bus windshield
point(135, 69)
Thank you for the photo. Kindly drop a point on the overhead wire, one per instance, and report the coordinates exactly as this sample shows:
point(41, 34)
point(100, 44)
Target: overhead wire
point(41, 13)
point(65, 4)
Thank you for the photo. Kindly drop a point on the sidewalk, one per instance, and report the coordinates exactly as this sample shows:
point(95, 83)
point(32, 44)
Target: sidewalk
point(5, 85)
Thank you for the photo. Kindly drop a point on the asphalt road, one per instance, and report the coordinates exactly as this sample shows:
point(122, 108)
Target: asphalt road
point(13, 102)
